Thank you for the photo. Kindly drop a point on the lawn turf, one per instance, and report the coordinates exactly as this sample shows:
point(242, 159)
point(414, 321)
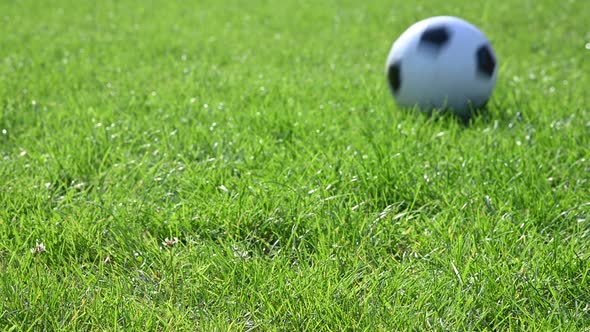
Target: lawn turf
point(262, 136)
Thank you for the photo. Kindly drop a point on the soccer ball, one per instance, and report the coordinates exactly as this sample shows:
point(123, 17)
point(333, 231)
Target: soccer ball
point(442, 63)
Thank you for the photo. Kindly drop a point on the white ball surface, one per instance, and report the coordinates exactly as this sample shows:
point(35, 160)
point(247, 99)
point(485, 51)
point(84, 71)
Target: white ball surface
point(442, 62)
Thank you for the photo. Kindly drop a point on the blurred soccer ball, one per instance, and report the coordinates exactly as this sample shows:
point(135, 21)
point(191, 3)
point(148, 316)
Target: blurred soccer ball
point(442, 62)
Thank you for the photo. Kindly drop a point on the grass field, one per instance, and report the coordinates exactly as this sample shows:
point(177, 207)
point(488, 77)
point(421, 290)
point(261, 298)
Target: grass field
point(262, 136)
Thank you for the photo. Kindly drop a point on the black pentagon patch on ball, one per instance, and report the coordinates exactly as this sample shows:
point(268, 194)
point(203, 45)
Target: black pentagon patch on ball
point(435, 38)
point(394, 76)
point(486, 64)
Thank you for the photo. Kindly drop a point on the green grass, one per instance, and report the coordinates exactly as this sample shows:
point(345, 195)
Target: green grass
point(262, 136)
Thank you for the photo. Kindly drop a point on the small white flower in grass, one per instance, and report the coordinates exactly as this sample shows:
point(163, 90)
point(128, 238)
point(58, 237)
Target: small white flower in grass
point(170, 242)
point(238, 253)
point(39, 248)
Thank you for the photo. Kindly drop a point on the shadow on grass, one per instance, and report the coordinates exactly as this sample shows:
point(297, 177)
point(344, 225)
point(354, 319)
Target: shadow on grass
point(484, 114)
